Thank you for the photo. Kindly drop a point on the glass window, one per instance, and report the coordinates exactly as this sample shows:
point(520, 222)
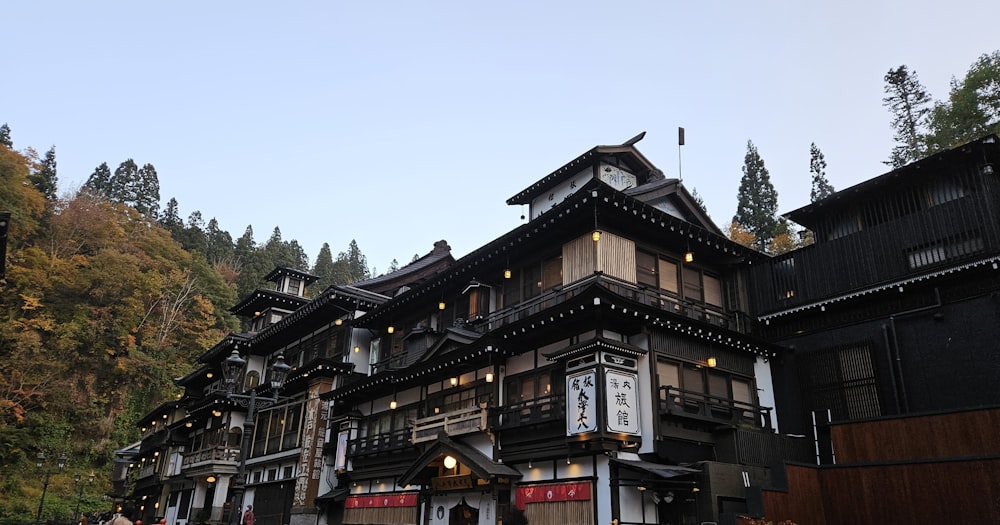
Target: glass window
point(645, 271)
point(552, 273)
point(668, 275)
point(692, 284)
point(713, 290)
point(668, 374)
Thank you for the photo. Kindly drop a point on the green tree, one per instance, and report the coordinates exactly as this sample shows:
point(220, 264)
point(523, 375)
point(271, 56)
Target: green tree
point(45, 178)
point(821, 187)
point(193, 237)
point(757, 204)
point(171, 219)
point(5, 136)
point(972, 109)
point(99, 182)
point(146, 194)
point(323, 269)
point(219, 243)
point(910, 106)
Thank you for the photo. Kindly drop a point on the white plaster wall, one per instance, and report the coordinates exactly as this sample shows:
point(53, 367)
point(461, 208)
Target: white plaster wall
point(483, 502)
point(765, 388)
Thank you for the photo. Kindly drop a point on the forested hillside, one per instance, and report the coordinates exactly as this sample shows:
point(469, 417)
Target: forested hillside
point(104, 302)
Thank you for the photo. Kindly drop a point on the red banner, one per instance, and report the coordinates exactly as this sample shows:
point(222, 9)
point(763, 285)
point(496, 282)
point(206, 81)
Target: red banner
point(388, 499)
point(551, 493)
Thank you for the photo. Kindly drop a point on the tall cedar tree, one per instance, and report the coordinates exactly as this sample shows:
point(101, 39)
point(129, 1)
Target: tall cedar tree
point(910, 106)
point(757, 204)
point(323, 269)
point(45, 178)
point(972, 109)
point(99, 181)
point(5, 136)
point(821, 187)
point(171, 219)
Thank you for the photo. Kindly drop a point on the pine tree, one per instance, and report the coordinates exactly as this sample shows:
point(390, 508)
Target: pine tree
point(147, 192)
point(324, 269)
point(757, 205)
point(171, 219)
point(909, 104)
point(99, 181)
point(45, 178)
point(123, 184)
point(219, 244)
point(5, 136)
point(821, 187)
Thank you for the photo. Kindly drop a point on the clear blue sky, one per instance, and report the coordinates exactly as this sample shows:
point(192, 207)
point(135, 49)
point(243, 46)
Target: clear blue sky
point(401, 123)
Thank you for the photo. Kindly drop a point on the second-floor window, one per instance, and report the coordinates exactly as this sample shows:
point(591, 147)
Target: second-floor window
point(277, 429)
point(458, 398)
point(684, 280)
point(527, 387)
point(701, 382)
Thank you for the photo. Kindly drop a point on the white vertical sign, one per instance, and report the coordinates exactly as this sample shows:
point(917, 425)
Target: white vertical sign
point(581, 402)
point(622, 401)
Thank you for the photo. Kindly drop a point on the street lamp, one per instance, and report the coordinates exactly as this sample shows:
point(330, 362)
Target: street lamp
point(233, 368)
point(79, 497)
point(45, 484)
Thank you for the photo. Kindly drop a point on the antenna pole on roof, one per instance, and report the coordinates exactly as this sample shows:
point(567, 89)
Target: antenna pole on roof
point(680, 142)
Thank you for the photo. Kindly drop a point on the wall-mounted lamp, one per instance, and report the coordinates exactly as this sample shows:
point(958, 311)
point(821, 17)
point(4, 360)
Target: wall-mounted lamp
point(454, 381)
point(392, 404)
point(596, 235)
point(450, 462)
point(689, 256)
point(696, 490)
point(640, 488)
point(529, 464)
point(338, 321)
point(209, 375)
point(712, 362)
point(568, 461)
point(391, 329)
point(188, 424)
point(217, 413)
point(506, 273)
point(441, 305)
point(210, 479)
point(357, 349)
point(489, 377)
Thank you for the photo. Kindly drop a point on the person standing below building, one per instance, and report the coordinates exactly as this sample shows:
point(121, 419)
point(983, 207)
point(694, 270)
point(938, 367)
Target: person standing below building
point(248, 516)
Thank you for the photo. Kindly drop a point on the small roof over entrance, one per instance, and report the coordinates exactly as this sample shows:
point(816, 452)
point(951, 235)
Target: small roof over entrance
point(478, 463)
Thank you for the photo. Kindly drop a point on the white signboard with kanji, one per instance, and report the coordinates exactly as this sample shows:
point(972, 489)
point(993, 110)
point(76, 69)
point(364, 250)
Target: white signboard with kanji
point(581, 402)
point(622, 401)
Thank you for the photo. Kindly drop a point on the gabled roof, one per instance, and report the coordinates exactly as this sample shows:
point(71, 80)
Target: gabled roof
point(674, 191)
point(614, 209)
point(478, 463)
point(261, 300)
point(625, 152)
point(279, 272)
point(437, 259)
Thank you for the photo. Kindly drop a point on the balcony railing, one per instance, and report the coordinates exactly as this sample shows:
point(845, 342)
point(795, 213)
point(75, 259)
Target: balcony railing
point(532, 412)
point(451, 423)
point(736, 321)
point(698, 405)
point(386, 442)
point(214, 454)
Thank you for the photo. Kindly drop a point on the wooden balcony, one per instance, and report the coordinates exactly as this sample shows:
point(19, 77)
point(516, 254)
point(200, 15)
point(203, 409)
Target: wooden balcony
point(380, 443)
point(532, 412)
point(453, 423)
point(218, 454)
point(713, 409)
point(736, 321)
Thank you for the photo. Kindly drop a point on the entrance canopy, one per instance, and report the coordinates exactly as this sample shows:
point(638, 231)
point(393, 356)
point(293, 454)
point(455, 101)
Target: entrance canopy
point(477, 462)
